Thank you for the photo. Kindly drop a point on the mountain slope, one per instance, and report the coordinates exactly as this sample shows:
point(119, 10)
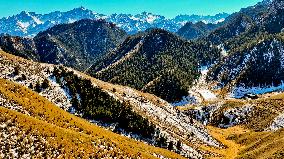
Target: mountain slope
point(235, 26)
point(273, 21)
point(24, 47)
point(157, 62)
point(247, 21)
point(256, 66)
point(76, 45)
point(62, 134)
point(247, 128)
point(236, 36)
point(30, 23)
point(253, 51)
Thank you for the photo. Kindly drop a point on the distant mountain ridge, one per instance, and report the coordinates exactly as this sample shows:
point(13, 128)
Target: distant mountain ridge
point(31, 23)
point(197, 30)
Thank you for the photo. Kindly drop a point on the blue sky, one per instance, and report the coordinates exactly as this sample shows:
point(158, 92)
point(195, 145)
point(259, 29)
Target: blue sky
point(168, 8)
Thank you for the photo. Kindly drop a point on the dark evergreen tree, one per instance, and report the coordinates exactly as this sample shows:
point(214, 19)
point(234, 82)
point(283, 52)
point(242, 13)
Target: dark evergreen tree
point(179, 146)
point(16, 71)
point(38, 87)
point(171, 145)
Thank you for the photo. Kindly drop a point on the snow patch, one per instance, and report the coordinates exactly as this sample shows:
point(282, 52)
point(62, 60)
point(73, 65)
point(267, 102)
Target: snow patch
point(219, 20)
point(241, 91)
point(37, 20)
point(151, 18)
point(200, 90)
point(207, 94)
point(223, 51)
point(185, 101)
point(71, 20)
point(23, 26)
point(277, 123)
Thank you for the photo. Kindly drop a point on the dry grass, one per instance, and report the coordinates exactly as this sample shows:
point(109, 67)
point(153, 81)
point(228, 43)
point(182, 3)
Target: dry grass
point(70, 144)
point(249, 141)
point(44, 111)
point(262, 145)
point(265, 111)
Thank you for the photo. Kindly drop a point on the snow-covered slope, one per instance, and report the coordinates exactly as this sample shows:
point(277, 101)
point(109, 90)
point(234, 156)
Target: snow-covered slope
point(253, 69)
point(30, 23)
point(199, 92)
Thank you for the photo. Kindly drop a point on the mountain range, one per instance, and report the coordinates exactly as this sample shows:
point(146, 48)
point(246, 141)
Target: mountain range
point(192, 88)
point(30, 23)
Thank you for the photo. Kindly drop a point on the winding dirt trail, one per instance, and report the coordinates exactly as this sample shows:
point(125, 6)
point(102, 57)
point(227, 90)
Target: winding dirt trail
point(222, 135)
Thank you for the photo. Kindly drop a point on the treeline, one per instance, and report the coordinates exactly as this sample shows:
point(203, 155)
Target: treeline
point(94, 103)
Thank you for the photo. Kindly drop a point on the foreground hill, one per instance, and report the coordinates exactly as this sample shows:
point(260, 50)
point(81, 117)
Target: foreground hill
point(157, 62)
point(34, 127)
point(261, 120)
point(120, 109)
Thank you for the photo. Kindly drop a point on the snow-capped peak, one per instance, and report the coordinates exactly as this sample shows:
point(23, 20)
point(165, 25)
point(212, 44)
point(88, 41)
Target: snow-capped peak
point(30, 23)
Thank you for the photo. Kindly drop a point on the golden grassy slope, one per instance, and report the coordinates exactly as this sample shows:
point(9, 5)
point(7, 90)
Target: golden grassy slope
point(265, 110)
point(47, 119)
point(69, 143)
point(262, 145)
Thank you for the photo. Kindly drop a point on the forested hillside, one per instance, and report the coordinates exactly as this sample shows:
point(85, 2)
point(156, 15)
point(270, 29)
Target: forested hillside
point(157, 62)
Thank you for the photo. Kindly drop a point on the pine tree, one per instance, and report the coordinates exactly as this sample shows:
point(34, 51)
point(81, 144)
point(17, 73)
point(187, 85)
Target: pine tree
point(171, 145)
point(16, 70)
point(38, 87)
point(179, 146)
